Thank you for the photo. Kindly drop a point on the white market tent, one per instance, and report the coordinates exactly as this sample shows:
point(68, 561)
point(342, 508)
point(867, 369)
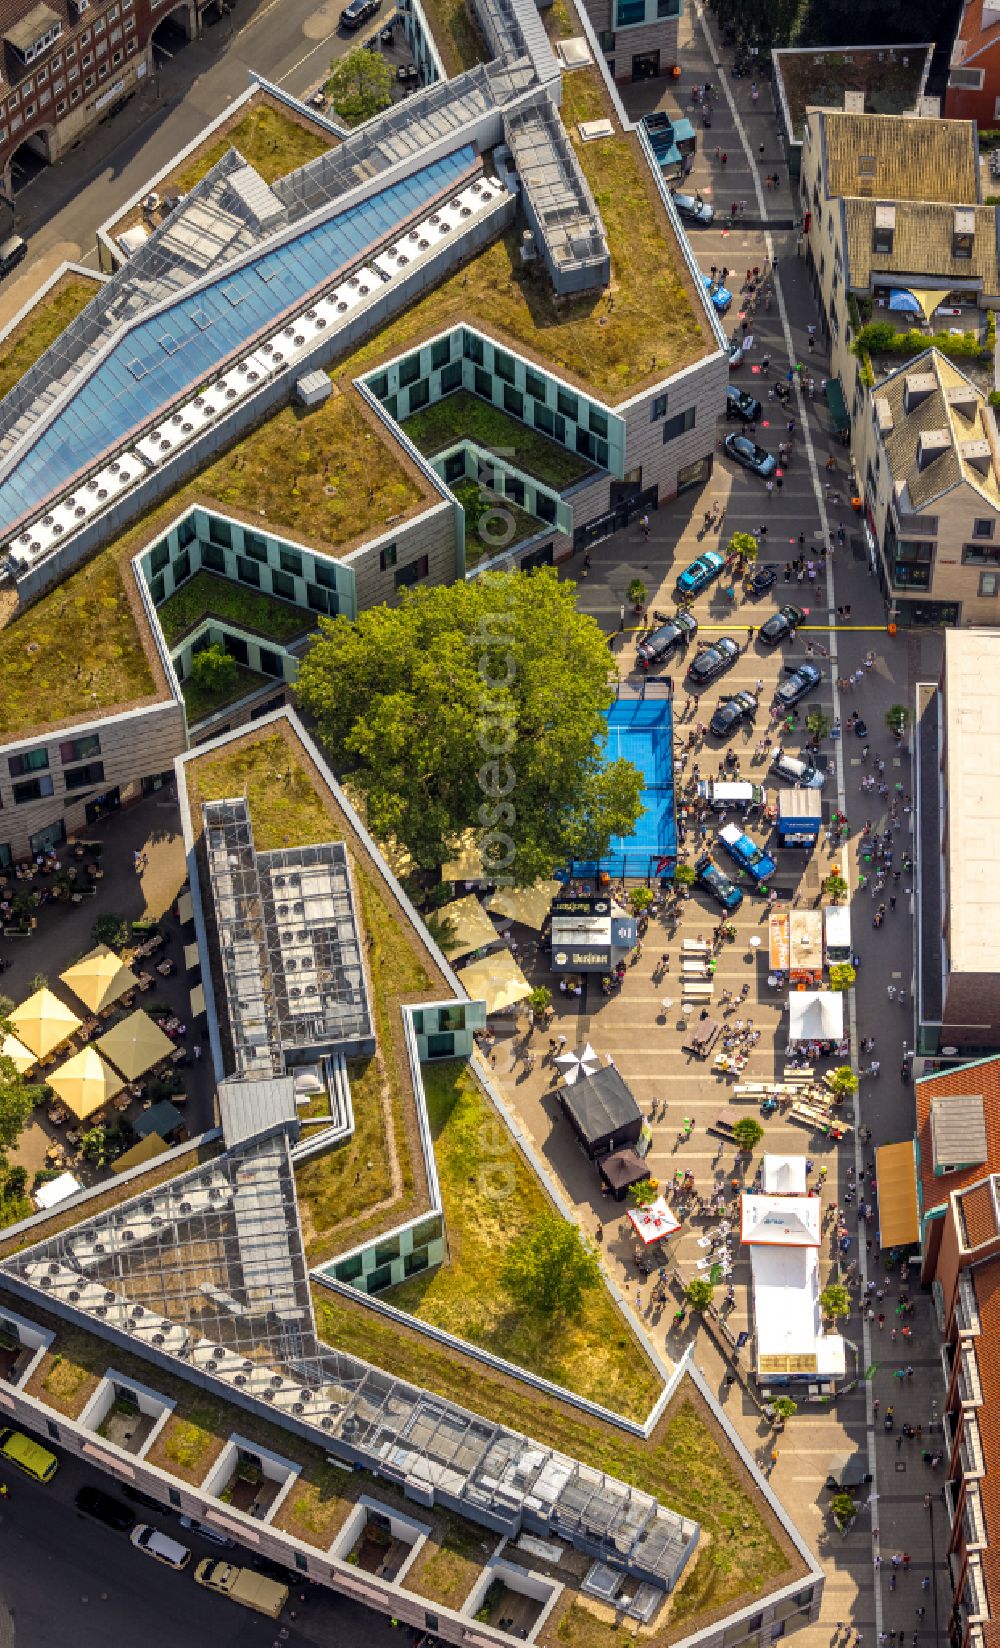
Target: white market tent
point(788, 1321)
point(815, 1015)
point(780, 1221)
point(782, 1175)
point(583, 1062)
point(54, 1191)
point(653, 1222)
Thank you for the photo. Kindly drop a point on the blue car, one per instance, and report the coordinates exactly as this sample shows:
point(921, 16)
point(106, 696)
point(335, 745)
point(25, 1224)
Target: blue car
point(700, 573)
point(721, 297)
point(717, 883)
point(744, 851)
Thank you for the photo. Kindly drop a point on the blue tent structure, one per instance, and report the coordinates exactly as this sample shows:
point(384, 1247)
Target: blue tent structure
point(904, 302)
point(641, 730)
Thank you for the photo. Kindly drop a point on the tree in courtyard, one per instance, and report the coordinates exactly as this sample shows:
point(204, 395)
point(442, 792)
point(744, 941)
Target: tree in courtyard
point(743, 547)
point(684, 875)
point(782, 1407)
point(17, 1100)
point(818, 724)
point(550, 1267)
point(475, 711)
point(699, 1293)
point(897, 718)
point(843, 1082)
point(835, 887)
point(539, 1001)
point(644, 1192)
point(640, 898)
point(213, 669)
point(842, 975)
point(835, 1301)
point(637, 593)
point(748, 1133)
point(843, 1510)
point(359, 85)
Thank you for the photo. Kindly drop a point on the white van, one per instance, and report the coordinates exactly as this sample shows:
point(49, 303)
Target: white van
point(837, 933)
point(152, 1543)
point(739, 795)
point(796, 771)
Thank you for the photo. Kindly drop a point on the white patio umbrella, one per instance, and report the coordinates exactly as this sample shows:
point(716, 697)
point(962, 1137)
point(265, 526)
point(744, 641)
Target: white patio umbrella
point(581, 1063)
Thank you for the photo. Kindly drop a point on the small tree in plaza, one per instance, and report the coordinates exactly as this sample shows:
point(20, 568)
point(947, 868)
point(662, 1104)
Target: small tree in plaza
point(843, 1510)
point(818, 724)
point(637, 593)
point(835, 1301)
point(782, 1407)
point(835, 887)
point(699, 1293)
point(743, 547)
point(550, 1267)
point(842, 975)
point(640, 898)
point(644, 1192)
point(748, 1133)
point(684, 876)
point(897, 718)
point(359, 85)
point(843, 1082)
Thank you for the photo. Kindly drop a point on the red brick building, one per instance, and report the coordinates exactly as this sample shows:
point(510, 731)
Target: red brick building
point(973, 91)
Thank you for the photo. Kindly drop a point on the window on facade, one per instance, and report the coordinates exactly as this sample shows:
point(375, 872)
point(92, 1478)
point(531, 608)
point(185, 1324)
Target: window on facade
point(983, 528)
point(980, 555)
point(598, 422)
point(567, 404)
point(483, 384)
point(379, 386)
point(30, 761)
point(513, 401)
point(387, 557)
point(628, 12)
point(237, 648)
point(472, 348)
point(187, 532)
point(679, 424)
point(513, 488)
point(220, 532)
point(290, 561)
point(988, 583)
point(181, 568)
point(545, 507)
point(80, 777)
point(270, 662)
point(451, 377)
point(534, 384)
point(549, 422)
point(33, 789)
point(158, 558)
point(325, 575)
point(668, 8)
point(659, 407)
point(409, 370)
point(412, 573)
point(440, 353)
point(503, 365)
point(157, 590)
point(282, 584)
point(420, 394)
point(247, 571)
point(586, 444)
point(213, 557)
point(254, 545)
point(320, 599)
point(80, 749)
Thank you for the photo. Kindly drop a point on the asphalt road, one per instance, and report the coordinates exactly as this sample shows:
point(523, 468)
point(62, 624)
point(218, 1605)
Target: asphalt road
point(65, 1578)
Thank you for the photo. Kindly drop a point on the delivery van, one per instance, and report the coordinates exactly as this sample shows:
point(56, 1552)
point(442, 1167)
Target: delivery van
point(266, 1596)
point(29, 1457)
point(837, 933)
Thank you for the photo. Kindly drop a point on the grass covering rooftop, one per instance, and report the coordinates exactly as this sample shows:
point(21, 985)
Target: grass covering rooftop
point(208, 596)
point(459, 42)
point(290, 807)
point(596, 1356)
point(464, 416)
point(22, 347)
point(200, 702)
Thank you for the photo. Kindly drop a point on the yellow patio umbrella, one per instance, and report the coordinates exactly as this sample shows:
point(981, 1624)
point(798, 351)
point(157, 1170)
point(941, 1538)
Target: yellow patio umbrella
point(526, 905)
point(495, 979)
point(20, 1056)
point(145, 1151)
point(469, 925)
point(99, 978)
point(135, 1045)
point(43, 1021)
point(85, 1083)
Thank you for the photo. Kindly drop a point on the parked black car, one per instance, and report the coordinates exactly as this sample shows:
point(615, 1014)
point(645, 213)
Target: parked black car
point(742, 406)
point(717, 883)
point(658, 646)
point(713, 660)
point(357, 12)
point(751, 456)
point(763, 578)
point(105, 1508)
point(731, 713)
point(781, 624)
point(800, 681)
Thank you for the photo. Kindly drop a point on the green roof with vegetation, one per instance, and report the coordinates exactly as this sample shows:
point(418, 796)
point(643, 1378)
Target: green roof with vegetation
point(50, 316)
point(341, 1197)
point(272, 139)
point(201, 701)
point(208, 596)
point(595, 1355)
point(464, 416)
point(459, 42)
point(493, 525)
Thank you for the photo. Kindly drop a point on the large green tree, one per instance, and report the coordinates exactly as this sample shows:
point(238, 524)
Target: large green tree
point(359, 85)
point(476, 708)
point(17, 1100)
point(550, 1267)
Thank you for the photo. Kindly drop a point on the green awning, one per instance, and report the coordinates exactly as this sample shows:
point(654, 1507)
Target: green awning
point(837, 404)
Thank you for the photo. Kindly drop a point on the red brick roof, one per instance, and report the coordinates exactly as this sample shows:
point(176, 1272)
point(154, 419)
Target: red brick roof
point(970, 29)
point(979, 1214)
point(982, 1077)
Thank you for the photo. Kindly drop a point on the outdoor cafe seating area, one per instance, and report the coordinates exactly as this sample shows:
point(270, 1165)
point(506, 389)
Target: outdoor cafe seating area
point(65, 876)
point(110, 1063)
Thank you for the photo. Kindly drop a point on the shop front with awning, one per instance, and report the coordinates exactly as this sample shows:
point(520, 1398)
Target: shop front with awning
point(838, 405)
point(898, 1213)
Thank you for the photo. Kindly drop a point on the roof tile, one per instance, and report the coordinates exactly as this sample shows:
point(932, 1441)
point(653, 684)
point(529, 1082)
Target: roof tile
point(982, 1077)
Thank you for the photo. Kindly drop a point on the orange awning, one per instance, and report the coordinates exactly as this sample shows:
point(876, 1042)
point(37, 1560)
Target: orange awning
point(896, 1175)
